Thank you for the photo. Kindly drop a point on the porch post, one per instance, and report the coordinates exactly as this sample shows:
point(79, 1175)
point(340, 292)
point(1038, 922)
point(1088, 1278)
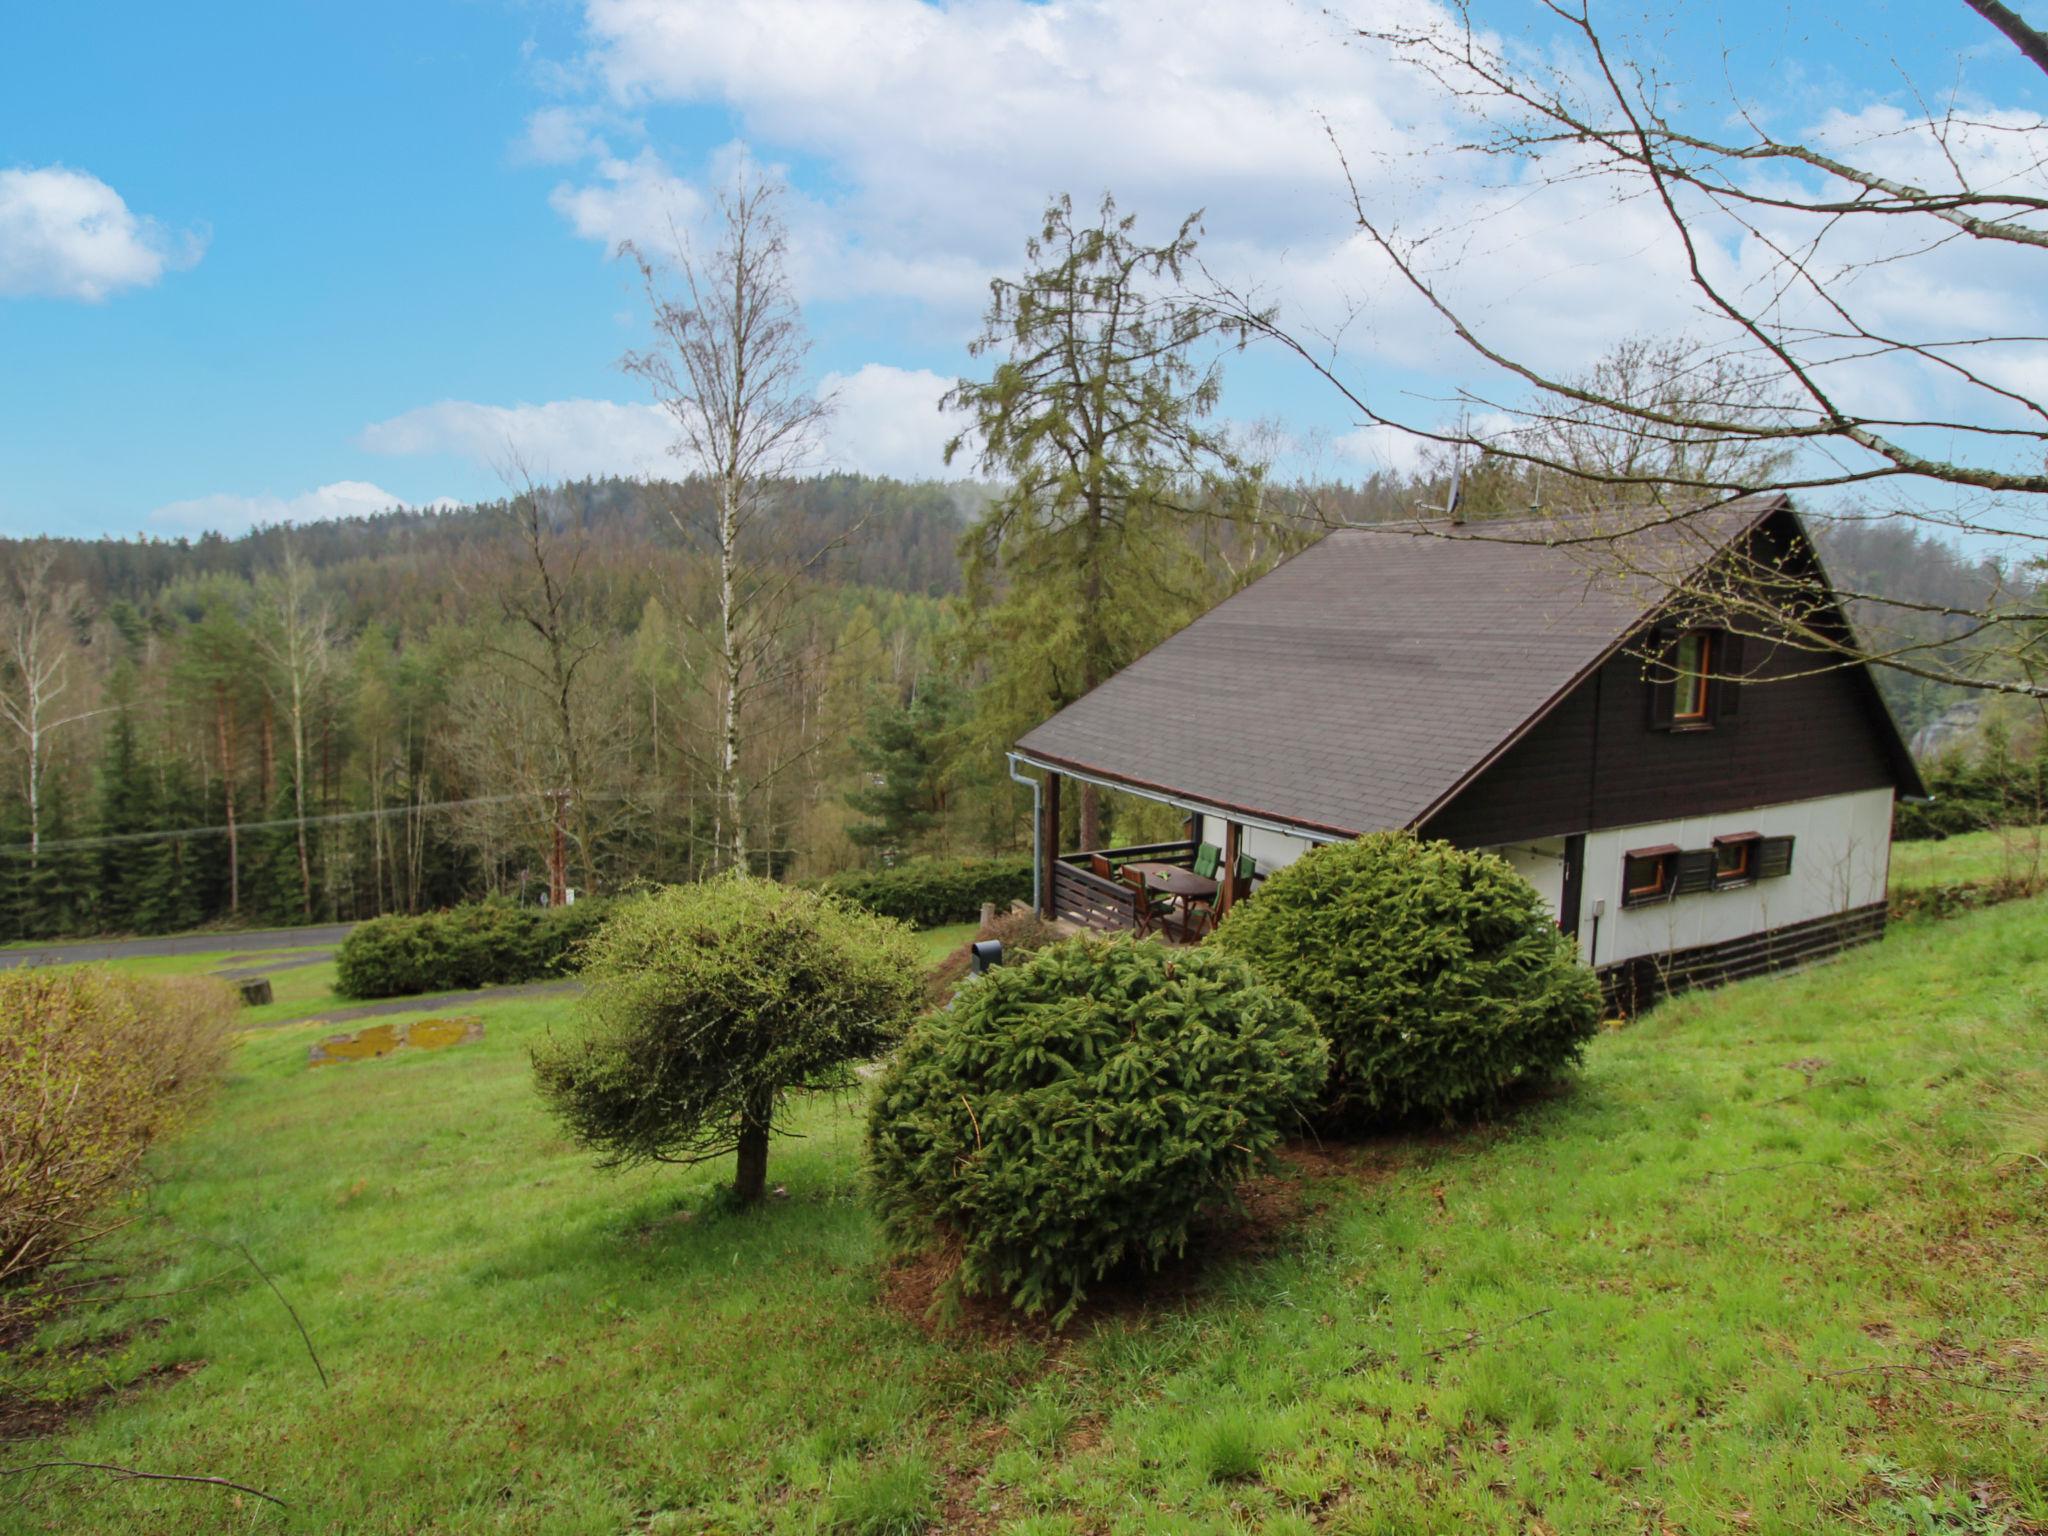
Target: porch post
point(1228, 873)
point(1048, 842)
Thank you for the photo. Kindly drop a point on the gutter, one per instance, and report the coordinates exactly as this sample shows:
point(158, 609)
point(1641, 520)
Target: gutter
point(1037, 788)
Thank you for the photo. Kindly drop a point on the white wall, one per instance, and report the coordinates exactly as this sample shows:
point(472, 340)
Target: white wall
point(1541, 863)
point(1840, 860)
point(1271, 850)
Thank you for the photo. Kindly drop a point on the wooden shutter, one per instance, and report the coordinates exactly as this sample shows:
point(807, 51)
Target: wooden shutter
point(1727, 684)
point(1661, 672)
point(1695, 871)
point(1774, 857)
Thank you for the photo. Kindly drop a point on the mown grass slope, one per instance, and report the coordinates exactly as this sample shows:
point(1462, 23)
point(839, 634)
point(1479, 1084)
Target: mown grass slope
point(1772, 1263)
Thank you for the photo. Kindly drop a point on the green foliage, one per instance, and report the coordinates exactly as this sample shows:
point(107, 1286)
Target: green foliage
point(1973, 791)
point(930, 893)
point(1095, 421)
point(904, 752)
point(705, 1004)
point(894, 1496)
point(480, 944)
point(1020, 932)
point(1435, 973)
point(1080, 1110)
point(93, 1067)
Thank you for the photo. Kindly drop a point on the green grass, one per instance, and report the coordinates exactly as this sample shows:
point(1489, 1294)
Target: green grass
point(937, 943)
point(2005, 853)
point(1772, 1264)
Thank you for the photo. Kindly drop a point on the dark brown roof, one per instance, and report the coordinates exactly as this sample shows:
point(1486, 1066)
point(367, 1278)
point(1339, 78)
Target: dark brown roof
point(1362, 682)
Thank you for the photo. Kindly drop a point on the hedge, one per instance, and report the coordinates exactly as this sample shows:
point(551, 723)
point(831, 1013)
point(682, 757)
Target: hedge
point(931, 893)
point(479, 944)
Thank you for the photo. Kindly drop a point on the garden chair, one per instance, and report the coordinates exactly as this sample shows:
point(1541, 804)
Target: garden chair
point(1207, 859)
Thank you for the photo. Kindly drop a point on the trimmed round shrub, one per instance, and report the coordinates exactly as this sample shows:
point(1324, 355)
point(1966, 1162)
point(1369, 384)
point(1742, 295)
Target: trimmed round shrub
point(1022, 933)
point(1078, 1111)
point(706, 1005)
point(1436, 973)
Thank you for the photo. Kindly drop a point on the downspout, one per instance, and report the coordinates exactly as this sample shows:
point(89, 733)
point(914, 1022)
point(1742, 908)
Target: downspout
point(1037, 787)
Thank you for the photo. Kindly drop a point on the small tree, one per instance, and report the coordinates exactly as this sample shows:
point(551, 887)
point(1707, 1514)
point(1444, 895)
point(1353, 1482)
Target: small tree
point(708, 1004)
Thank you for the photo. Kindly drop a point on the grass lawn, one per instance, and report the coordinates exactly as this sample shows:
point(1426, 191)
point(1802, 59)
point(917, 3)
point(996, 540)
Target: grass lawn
point(2005, 853)
point(1773, 1263)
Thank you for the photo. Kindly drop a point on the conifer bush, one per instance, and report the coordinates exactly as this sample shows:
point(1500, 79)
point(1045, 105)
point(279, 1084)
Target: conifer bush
point(478, 944)
point(706, 1005)
point(1437, 974)
point(1080, 1110)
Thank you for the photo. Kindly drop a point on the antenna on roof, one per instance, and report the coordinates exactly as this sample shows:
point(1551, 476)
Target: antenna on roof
point(1454, 503)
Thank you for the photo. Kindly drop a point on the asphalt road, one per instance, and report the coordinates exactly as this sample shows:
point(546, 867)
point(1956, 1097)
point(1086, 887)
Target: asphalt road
point(244, 943)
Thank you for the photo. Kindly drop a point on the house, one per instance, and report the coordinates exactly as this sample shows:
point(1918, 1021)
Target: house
point(1626, 713)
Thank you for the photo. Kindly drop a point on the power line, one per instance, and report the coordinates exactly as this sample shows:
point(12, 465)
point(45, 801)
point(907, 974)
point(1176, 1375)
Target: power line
point(112, 839)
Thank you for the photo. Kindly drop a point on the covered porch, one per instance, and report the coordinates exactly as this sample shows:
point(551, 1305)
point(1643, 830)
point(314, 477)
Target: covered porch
point(1177, 891)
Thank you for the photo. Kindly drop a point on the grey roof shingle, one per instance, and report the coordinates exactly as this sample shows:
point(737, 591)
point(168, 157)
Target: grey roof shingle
point(1356, 685)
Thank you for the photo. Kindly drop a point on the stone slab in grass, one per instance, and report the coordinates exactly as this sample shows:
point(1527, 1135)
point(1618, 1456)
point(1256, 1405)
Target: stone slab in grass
point(380, 1040)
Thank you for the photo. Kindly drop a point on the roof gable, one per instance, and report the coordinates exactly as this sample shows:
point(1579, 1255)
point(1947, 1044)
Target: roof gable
point(1360, 684)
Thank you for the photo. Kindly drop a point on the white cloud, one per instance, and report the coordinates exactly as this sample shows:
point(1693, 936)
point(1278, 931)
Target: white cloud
point(557, 440)
point(67, 235)
point(887, 421)
point(224, 513)
point(639, 200)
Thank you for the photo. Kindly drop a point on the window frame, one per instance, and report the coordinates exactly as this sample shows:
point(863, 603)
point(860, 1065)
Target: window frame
point(1751, 844)
point(1666, 857)
point(1698, 680)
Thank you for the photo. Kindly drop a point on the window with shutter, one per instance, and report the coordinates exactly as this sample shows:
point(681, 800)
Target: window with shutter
point(1735, 859)
point(1649, 875)
point(1688, 691)
point(1773, 857)
point(1695, 871)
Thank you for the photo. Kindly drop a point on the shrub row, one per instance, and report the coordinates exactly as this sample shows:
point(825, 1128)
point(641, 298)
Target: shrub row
point(1972, 792)
point(481, 944)
point(93, 1067)
point(930, 893)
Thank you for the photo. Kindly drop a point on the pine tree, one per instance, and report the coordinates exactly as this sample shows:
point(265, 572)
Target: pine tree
point(904, 753)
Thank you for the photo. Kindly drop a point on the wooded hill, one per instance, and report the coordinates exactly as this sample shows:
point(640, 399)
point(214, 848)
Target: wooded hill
point(388, 713)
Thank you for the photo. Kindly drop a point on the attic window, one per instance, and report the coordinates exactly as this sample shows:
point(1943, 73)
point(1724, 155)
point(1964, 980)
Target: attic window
point(1694, 681)
point(1649, 875)
point(1736, 858)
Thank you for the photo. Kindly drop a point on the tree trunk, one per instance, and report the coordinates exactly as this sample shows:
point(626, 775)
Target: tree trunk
point(730, 809)
point(227, 775)
point(750, 1183)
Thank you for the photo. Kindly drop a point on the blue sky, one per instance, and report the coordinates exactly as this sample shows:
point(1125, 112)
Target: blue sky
point(296, 258)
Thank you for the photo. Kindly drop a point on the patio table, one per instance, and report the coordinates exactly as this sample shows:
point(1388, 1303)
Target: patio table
point(1173, 880)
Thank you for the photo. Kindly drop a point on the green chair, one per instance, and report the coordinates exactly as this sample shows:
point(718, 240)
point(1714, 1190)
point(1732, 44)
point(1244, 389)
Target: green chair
point(1208, 858)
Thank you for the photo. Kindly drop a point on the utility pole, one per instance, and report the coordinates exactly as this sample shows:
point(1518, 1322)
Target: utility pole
point(558, 855)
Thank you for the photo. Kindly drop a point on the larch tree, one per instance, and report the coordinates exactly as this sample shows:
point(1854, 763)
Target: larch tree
point(1095, 421)
point(729, 366)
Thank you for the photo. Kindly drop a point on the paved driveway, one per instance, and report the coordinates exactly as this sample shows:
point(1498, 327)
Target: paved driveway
point(238, 943)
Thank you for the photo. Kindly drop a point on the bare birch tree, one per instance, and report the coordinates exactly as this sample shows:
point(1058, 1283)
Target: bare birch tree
point(35, 656)
point(295, 635)
point(729, 366)
point(1795, 255)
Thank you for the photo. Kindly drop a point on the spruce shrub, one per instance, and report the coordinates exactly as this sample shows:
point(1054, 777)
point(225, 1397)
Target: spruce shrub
point(1078, 1111)
point(930, 893)
point(705, 1005)
point(1437, 975)
point(478, 944)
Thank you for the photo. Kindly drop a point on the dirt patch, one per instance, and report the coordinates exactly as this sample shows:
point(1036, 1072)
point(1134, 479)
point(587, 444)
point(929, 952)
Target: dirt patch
point(381, 1040)
point(25, 1415)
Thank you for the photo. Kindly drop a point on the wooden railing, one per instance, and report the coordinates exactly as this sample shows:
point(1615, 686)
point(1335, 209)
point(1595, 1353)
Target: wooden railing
point(1079, 895)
